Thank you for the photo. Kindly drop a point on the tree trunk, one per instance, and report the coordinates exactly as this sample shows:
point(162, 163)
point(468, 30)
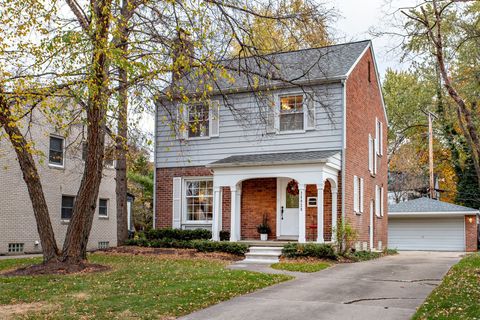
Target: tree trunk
point(122, 132)
point(463, 113)
point(75, 245)
point(32, 180)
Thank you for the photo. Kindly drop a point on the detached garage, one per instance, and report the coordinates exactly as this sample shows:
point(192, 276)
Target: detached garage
point(426, 224)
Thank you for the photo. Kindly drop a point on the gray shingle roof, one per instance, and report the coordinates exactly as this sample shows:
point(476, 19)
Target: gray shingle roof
point(274, 158)
point(427, 205)
point(301, 66)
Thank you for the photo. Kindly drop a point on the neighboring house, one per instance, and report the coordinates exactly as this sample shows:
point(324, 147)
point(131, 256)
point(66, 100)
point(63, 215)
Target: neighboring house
point(427, 224)
point(404, 186)
point(314, 157)
point(60, 164)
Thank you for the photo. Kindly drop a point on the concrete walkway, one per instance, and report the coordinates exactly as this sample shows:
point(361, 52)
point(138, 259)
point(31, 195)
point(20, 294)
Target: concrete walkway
point(388, 288)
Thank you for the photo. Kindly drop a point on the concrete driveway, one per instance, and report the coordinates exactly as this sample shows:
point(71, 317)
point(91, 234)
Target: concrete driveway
point(388, 288)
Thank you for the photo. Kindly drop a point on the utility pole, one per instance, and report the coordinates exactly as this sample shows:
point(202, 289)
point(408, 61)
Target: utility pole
point(430, 153)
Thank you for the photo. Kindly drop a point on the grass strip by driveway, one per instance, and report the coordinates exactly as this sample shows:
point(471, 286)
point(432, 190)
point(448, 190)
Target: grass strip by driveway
point(301, 266)
point(458, 296)
point(146, 287)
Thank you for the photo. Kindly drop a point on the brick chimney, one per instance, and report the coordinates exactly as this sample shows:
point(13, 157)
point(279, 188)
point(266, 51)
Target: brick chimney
point(182, 55)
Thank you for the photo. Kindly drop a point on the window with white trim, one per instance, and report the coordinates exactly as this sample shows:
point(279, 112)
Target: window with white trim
point(291, 115)
point(199, 200)
point(103, 208)
point(55, 151)
point(198, 121)
point(67, 207)
point(357, 194)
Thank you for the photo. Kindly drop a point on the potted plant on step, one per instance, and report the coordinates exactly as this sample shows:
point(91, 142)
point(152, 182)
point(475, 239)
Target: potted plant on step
point(264, 228)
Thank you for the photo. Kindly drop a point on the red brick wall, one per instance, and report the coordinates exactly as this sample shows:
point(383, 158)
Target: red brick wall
point(164, 190)
point(363, 100)
point(259, 197)
point(226, 213)
point(471, 233)
point(311, 222)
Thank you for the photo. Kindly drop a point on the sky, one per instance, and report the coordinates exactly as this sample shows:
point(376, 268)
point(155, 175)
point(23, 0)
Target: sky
point(358, 17)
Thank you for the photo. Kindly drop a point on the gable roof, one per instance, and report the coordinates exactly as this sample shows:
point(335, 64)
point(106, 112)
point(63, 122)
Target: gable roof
point(274, 158)
point(427, 205)
point(329, 63)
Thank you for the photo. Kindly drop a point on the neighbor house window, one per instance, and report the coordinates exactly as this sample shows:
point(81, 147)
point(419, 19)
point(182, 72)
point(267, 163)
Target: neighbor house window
point(15, 247)
point(198, 121)
point(291, 113)
point(84, 151)
point(103, 207)
point(103, 244)
point(55, 154)
point(199, 200)
point(67, 207)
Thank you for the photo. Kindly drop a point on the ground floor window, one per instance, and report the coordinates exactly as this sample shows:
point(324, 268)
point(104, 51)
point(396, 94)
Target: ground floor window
point(15, 247)
point(199, 200)
point(67, 207)
point(103, 244)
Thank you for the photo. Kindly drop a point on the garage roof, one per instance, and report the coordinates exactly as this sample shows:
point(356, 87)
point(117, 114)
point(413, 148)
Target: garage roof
point(424, 206)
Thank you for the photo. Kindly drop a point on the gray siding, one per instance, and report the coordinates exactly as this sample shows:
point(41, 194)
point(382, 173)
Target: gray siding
point(244, 131)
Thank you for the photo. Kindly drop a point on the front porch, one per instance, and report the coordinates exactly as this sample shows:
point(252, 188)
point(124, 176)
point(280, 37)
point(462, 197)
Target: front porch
point(299, 198)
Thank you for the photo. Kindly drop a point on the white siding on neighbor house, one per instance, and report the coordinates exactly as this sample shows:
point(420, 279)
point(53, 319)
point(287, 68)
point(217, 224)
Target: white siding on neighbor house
point(248, 136)
point(438, 234)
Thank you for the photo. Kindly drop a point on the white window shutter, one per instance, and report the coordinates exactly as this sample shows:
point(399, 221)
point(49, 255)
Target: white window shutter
point(377, 201)
point(270, 119)
point(177, 203)
point(381, 201)
point(370, 153)
point(380, 143)
point(355, 194)
point(214, 119)
point(375, 160)
point(377, 137)
point(309, 112)
point(361, 195)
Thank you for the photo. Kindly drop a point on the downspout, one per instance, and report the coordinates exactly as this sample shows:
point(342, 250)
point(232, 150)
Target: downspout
point(344, 143)
point(155, 168)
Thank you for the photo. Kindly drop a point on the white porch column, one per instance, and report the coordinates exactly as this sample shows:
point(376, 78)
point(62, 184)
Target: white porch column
point(235, 194)
point(238, 212)
point(301, 214)
point(334, 214)
point(320, 188)
point(217, 205)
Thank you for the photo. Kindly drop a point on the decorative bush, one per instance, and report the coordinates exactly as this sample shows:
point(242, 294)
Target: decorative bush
point(178, 234)
point(315, 250)
point(224, 235)
point(199, 245)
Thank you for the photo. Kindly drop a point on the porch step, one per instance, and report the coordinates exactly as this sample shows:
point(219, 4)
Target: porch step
point(262, 255)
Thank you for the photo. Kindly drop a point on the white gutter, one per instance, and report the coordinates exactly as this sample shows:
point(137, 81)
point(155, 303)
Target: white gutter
point(431, 214)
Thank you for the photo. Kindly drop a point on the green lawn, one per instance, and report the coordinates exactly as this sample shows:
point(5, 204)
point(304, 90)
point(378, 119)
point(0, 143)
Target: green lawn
point(146, 287)
point(301, 266)
point(458, 297)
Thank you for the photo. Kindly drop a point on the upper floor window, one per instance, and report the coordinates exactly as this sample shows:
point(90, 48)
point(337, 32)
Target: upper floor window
point(55, 154)
point(357, 194)
point(379, 137)
point(291, 113)
point(199, 200)
point(67, 207)
point(198, 121)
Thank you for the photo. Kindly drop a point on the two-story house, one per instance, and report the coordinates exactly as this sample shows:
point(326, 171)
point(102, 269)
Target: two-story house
point(60, 155)
point(310, 158)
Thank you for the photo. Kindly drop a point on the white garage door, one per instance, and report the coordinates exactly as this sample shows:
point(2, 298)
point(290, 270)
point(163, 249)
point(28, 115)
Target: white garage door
point(440, 234)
